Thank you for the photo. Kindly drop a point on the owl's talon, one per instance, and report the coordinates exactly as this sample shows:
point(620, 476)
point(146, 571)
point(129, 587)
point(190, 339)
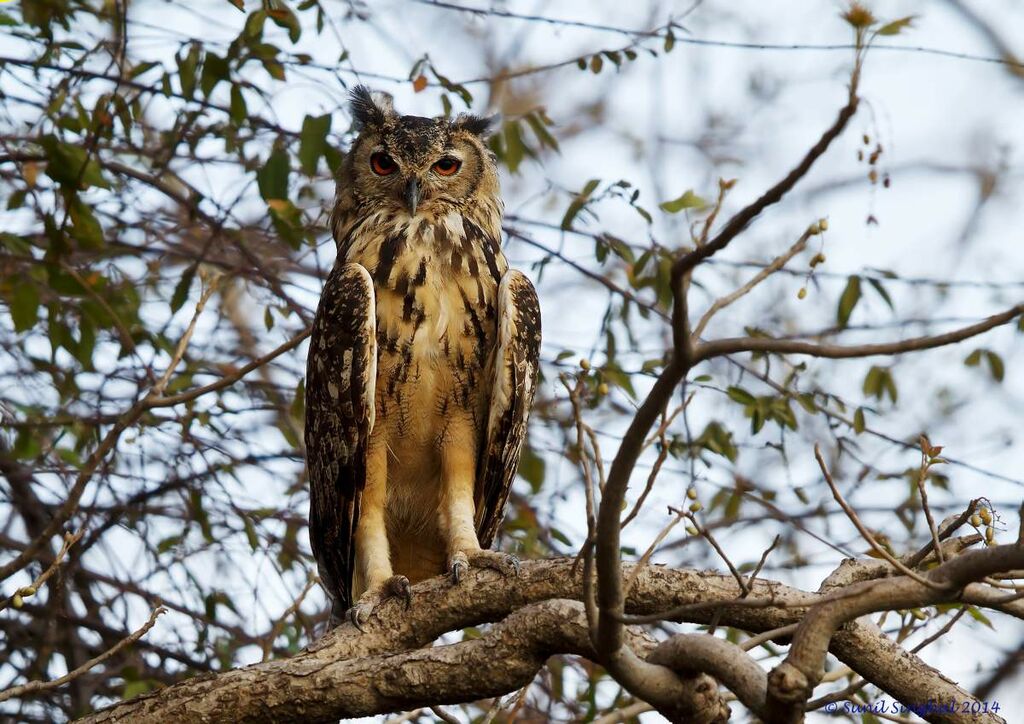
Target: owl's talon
point(458, 566)
point(400, 588)
point(371, 600)
point(504, 563)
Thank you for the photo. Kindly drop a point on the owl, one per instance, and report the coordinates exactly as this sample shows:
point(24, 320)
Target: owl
point(422, 364)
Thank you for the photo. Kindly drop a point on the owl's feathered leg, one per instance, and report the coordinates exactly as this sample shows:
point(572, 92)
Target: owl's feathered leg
point(458, 470)
point(374, 581)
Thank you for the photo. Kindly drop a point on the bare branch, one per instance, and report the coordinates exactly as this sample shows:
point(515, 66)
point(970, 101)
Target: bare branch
point(734, 345)
point(36, 686)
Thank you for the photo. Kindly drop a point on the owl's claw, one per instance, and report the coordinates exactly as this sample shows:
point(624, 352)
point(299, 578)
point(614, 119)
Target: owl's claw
point(458, 566)
point(505, 563)
point(394, 587)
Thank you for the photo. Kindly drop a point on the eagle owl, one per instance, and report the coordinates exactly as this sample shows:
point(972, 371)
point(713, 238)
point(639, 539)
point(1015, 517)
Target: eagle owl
point(422, 362)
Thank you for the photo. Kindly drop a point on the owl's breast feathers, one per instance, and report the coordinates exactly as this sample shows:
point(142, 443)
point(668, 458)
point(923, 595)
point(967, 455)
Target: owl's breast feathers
point(436, 283)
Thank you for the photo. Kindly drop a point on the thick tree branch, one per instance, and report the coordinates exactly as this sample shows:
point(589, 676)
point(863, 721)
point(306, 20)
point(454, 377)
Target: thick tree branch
point(792, 681)
point(485, 596)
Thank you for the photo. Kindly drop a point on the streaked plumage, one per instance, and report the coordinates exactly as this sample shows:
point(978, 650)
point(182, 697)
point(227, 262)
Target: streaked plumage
point(422, 364)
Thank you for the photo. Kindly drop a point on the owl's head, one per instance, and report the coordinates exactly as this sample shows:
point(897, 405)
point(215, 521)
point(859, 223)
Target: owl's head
point(413, 164)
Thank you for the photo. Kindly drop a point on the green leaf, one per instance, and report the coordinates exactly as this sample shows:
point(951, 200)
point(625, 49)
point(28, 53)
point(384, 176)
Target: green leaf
point(973, 359)
point(187, 65)
point(895, 27)
point(135, 688)
point(532, 468)
point(24, 304)
point(515, 149)
point(740, 395)
point(996, 366)
point(688, 200)
point(167, 543)
point(181, 289)
point(7, 20)
point(239, 111)
point(250, 532)
point(877, 285)
point(313, 141)
point(70, 165)
point(858, 421)
point(215, 69)
point(283, 17)
point(848, 300)
point(298, 407)
point(85, 228)
point(978, 616)
point(579, 202)
point(272, 179)
point(541, 132)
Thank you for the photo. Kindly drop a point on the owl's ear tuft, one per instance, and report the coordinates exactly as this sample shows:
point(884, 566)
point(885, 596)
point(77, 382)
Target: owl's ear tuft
point(482, 126)
point(370, 107)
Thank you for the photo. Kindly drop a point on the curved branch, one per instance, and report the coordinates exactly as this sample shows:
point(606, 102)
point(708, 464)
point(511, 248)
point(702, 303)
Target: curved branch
point(319, 686)
point(722, 659)
point(485, 596)
point(792, 681)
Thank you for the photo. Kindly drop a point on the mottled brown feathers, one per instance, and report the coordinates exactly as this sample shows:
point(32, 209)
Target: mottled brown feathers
point(341, 374)
point(423, 361)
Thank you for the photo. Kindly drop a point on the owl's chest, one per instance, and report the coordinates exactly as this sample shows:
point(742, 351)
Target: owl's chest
point(436, 299)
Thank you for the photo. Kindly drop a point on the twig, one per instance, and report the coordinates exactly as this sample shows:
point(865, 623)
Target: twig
point(69, 540)
point(444, 716)
point(179, 351)
point(947, 529)
point(777, 263)
point(766, 636)
point(864, 532)
point(744, 587)
point(36, 686)
point(922, 475)
point(760, 564)
point(268, 643)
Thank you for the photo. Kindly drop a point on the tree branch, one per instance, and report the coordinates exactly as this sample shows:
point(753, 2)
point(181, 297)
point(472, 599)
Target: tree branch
point(720, 347)
point(366, 664)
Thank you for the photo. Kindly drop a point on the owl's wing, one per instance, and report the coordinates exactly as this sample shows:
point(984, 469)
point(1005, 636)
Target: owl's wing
point(341, 374)
point(513, 384)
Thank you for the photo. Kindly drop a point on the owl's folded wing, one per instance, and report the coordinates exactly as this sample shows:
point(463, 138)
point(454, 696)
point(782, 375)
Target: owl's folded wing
point(341, 373)
point(514, 384)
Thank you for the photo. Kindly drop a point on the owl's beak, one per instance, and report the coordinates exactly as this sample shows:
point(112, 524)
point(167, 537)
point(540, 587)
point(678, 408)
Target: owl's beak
point(412, 195)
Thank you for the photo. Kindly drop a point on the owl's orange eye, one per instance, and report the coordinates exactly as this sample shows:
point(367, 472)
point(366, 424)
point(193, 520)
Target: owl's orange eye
point(447, 166)
point(382, 164)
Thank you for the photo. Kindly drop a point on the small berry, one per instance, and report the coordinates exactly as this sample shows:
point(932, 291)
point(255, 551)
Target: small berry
point(696, 507)
point(976, 520)
point(16, 600)
point(986, 515)
point(585, 364)
point(802, 293)
point(602, 389)
point(691, 493)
